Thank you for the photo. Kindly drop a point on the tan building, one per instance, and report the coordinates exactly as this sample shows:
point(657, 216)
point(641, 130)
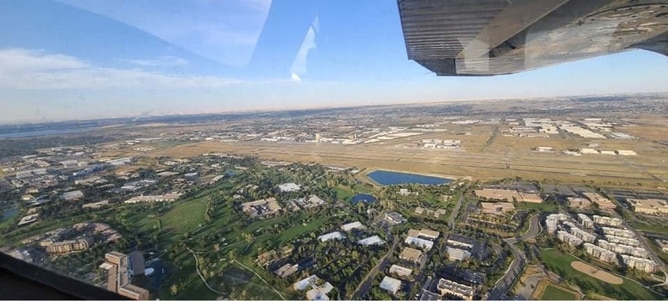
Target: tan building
point(118, 277)
point(424, 233)
point(400, 271)
point(496, 208)
point(579, 203)
point(498, 194)
point(531, 197)
point(261, 207)
point(410, 254)
point(649, 206)
point(508, 195)
point(603, 203)
point(68, 246)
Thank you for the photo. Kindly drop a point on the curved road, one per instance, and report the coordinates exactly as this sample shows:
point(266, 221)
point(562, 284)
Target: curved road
point(517, 265)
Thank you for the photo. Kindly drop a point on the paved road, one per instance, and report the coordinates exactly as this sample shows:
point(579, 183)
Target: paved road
point(453, 214)
point(519, 262)
point(365, 284)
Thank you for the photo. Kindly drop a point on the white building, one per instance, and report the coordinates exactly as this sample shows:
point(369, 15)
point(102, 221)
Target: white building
point(607, 221)
point(72, 195)
point(601, 253)
point(568, 238)
point(28, 219)
point(623, 249)
point(305, 283)
point(581, 234)
point(552, 221)
point(457, 254)
point(618, 232)
point(623, 240)
point(120, 161)
point(169, 197)
point(585, 221)
point(400, 271)
point(70, 164)
point(320, 292)
point(422, 243)
point(351, 226)
point(289, 187)
point(642, 264)
point(372, 240)
point(331, 236)
point(391, 285)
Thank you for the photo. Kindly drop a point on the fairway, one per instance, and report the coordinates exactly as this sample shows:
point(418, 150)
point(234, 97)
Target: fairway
point(186, 216)
point(560, 263)
point(554, 292)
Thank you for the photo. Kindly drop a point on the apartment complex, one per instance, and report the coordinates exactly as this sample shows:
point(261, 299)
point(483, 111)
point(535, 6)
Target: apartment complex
point(448, 287)
point(68, 246)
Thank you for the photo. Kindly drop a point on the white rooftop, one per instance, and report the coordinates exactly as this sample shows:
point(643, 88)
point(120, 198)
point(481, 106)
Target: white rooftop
point(289, 187)
point(353, 225)
point(422, 243)
point(373, 240)
point(305, 283)
point(390, 284)
point(329, 236)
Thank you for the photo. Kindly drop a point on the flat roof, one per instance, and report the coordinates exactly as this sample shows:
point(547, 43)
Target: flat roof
point(410, 254)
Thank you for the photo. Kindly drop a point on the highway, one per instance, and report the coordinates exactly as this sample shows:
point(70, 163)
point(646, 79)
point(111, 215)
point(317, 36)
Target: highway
point(519, 260)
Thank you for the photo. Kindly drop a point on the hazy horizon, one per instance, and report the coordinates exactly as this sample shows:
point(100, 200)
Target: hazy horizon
point(332, 107)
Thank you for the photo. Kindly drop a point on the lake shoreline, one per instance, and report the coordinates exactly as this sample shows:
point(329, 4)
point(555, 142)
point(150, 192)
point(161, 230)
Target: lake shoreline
point(366, 175)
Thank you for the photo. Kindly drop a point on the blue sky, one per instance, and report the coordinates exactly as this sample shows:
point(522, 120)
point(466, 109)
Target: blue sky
point(73, 59)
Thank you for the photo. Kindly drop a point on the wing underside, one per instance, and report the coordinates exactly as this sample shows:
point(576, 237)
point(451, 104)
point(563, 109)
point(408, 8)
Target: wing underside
point(490, 37)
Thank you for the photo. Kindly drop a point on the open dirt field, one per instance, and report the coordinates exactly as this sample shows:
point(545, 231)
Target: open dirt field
point(490, 164)
point(596, 272)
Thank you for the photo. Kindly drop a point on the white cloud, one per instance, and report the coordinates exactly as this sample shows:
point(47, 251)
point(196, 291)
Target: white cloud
point(27, 60)
point(295, 77)
point(28, 69)
point(161, 61)
point(225, 31)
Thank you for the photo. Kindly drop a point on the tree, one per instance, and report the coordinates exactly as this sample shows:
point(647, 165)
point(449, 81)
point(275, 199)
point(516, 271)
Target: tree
point(174, 289)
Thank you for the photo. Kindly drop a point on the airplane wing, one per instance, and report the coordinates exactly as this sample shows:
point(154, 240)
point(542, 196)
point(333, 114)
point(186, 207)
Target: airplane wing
point(491, 37)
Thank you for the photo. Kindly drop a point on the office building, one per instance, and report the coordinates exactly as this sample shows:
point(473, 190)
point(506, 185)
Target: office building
point(118, 276)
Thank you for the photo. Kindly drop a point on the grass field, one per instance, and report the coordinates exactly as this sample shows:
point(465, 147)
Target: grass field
point(185, 216)
point(553, 292)
point(560, 263)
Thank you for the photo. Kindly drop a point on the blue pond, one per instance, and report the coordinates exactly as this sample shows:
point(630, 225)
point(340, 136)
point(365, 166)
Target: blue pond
point(366, 198)
point(384, 177)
